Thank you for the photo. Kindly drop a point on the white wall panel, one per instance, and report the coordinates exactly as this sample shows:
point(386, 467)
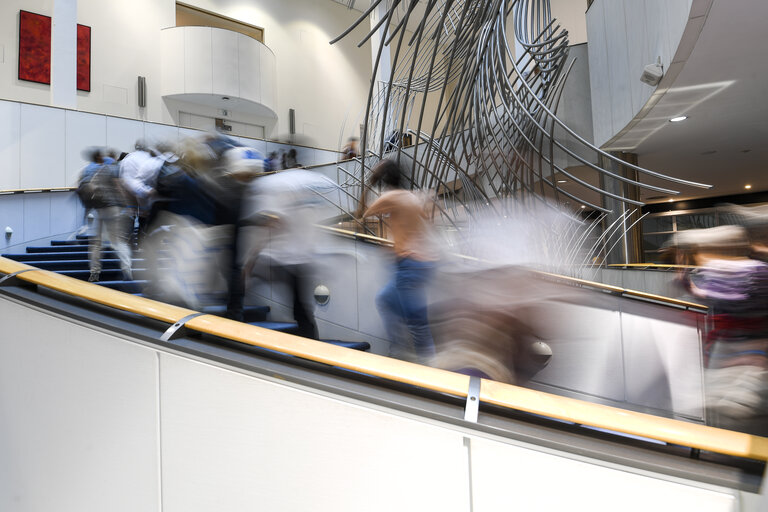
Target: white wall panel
point(10, 136)
point(249, 68)
point(198, 60)
point(224, 48)
point(258, 445)
point(79, 417)
point(155, 133)
point(268, 81)
point(172, 61)
point(42, 147)
point(374, 269)
point(122, 134)
point(83, 130)
point(507, 477)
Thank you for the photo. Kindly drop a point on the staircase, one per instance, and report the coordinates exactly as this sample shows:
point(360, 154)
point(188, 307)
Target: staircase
point(70, 258)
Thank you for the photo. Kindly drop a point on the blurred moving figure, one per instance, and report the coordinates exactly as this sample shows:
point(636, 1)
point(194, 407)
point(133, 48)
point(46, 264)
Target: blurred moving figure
point(100, 188)
point(735, 288)
point(402, 303)
point(288, 204)
point(351, 149)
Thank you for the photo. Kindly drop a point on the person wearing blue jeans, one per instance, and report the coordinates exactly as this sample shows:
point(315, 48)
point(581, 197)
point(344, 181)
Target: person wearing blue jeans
point(402, 303)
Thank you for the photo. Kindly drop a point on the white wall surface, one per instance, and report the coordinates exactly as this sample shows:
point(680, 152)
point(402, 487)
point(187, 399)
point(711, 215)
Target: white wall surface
point(322, 83)
point(624, 37)
point(41, 147)
point(94, 422)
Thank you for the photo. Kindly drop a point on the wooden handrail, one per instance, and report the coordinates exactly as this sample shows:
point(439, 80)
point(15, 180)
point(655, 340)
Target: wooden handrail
point(491, 392)
point(628, 422)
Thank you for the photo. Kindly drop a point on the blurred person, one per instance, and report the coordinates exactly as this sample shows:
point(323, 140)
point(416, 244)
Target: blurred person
point(290, 161)
point(135, 182)
point(287, 205)
point(102, 187)
point(735, 289)
point(271, 163)
point(351, 149)
point(402, 303)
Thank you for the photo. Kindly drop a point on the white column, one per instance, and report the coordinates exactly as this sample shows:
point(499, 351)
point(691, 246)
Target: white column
point(379, 37)
point(64, 54)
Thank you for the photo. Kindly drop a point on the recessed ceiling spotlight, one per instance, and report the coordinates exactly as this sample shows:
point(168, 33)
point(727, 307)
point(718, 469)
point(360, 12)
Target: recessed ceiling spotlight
point(678, 119)
point(747, 187)
point(562, 181)
point(670, 200)
point(583, 207)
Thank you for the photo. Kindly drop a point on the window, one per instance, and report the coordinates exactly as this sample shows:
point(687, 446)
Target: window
point(188, 16)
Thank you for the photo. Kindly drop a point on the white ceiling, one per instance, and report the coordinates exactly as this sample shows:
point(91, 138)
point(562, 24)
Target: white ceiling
point(723, 89)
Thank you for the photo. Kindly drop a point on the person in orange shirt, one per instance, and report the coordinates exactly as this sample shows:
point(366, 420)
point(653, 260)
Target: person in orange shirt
point(402, 303)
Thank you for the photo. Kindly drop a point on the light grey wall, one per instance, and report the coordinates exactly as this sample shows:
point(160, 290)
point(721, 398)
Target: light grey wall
point(36, 216)
point(624, 36)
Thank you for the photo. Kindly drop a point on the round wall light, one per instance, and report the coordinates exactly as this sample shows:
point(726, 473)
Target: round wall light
point(322, 294)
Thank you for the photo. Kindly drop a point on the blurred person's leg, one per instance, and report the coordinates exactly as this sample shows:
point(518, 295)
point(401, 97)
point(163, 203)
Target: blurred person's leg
point(94, 247)
point(412, 278)
point(117, 225)
point(299, 280)
point(391, 312)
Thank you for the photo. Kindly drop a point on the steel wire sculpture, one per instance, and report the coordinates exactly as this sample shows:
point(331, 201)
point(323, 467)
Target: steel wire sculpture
point(493, 139)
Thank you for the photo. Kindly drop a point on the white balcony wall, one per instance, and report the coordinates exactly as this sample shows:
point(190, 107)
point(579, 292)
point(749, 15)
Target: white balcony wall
point(625, 36)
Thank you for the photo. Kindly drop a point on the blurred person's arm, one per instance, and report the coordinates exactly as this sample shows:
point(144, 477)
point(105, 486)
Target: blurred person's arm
point(381, 206)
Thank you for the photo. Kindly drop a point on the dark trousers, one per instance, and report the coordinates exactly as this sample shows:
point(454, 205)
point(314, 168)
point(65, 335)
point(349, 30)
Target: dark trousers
point(299, 280)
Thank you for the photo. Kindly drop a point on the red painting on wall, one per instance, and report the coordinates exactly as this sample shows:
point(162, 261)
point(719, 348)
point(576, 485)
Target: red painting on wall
point(83, 58)
point(34, 47)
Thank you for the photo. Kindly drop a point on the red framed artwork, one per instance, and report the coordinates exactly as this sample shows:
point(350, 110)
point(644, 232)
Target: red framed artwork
point(83, 58)
point(35, 50)
point(34, 47)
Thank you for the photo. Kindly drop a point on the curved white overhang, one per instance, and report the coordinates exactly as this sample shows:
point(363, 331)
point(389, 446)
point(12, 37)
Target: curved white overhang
point(219, 68)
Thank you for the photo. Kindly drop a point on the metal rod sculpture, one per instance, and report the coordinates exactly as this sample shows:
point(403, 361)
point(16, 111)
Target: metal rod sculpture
point(482, 121)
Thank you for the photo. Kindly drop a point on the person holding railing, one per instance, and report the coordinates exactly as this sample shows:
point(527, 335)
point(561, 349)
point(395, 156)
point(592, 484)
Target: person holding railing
point(402, 303)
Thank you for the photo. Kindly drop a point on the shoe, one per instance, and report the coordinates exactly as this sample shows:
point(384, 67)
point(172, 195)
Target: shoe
point(94, 277)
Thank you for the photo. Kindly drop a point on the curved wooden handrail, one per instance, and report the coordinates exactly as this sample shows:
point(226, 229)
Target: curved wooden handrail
point(628, 422)
point(650, 265)
point(443, 381)
point(95, 293)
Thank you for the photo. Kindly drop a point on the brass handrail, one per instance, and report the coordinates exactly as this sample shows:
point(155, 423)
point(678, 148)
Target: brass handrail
point(443, 381)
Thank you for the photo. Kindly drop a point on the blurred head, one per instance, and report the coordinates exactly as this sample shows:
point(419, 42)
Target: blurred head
point(388, 173)
point(719, 242)
point(92, 154)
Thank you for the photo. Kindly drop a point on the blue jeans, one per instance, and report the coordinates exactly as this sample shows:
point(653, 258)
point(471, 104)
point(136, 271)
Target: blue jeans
point(402, 304)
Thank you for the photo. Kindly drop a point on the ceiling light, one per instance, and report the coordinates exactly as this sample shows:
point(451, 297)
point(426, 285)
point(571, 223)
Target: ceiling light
point(747, 187)
point(582, 207)
point(562, 181)
point(670, 200)
point(678, 119)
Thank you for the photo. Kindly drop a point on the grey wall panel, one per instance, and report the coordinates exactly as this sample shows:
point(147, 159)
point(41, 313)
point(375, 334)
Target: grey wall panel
point(78, 417)
point(37, 216)
point(586, 346)
point(12, 215)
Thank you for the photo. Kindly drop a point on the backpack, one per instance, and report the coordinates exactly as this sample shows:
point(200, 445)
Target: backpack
point(95, 186)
